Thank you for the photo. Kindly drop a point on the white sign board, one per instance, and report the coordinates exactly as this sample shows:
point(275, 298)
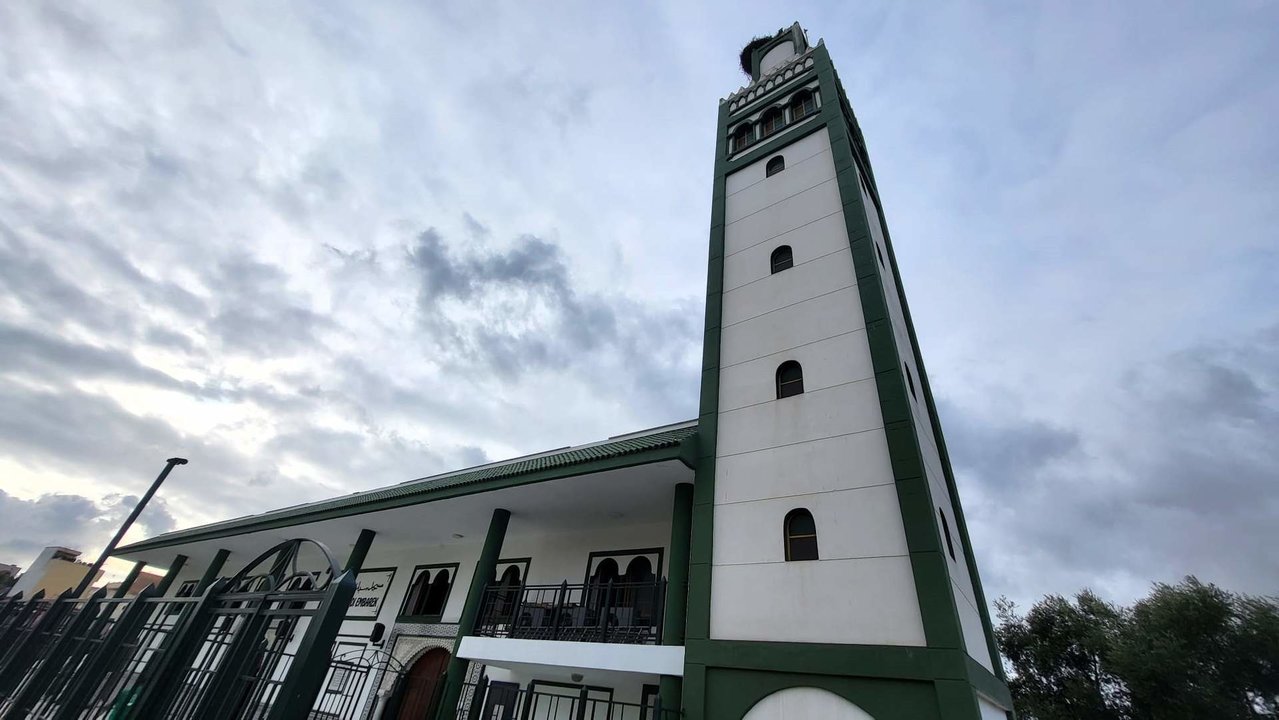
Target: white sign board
point(370, 590)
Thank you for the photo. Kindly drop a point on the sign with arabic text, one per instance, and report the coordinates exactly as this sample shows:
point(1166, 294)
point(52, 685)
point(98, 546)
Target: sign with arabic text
point(370, 590)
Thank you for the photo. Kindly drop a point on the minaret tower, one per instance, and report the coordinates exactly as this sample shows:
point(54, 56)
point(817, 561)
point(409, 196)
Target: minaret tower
point(831, 573)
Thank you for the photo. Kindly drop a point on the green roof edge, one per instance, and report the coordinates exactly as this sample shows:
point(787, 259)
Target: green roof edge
point(663, 443)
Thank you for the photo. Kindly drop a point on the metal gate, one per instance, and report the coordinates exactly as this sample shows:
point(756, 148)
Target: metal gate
point(254, 646)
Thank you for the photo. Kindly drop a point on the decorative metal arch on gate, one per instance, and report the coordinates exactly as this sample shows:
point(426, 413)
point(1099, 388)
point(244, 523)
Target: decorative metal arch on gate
point(255, 646)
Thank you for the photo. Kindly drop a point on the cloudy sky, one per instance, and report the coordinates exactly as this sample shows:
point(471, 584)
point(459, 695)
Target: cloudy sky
point(322, 247)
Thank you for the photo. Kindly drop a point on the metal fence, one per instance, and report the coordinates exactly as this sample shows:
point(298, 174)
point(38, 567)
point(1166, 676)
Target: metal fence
point(612, 612)
point(488, 700)
point(246, 648)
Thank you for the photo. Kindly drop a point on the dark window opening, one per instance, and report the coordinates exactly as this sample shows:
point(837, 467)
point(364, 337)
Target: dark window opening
point(437, 594)
point(772, 121)
point(429, 591)
point(417, 594)
point(775, 166)
point(880, 253)
point(945, 528)
point(801, 535)
point(790, 379)
point(510, 590)
point(910, 380)
point(782, 259)
point(743, 135)
point(802, 105)
point(187, 589)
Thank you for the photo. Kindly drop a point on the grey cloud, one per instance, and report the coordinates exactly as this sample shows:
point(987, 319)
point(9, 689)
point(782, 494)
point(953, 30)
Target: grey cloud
point(1003, 455)
point(536, 318)
point(69, 520)
point(533, 263)
point(257, 314)
point(32, 353)
point(1181, 483)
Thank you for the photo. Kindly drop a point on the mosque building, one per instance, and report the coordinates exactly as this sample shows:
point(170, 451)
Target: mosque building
point(798, 550)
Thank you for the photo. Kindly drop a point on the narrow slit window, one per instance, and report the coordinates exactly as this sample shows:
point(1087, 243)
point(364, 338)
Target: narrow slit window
point(945, 529)
point(880, 253)
point(775, 166)
point(910, 380)
point(801, 535)
point(790, 379)
point(782, 259)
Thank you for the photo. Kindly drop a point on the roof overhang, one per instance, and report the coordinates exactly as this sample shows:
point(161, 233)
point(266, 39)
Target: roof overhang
point(588, 480)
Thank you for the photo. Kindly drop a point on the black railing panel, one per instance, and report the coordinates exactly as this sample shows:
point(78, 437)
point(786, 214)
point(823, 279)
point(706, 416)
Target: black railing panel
point(505, 701)
point(614, 612)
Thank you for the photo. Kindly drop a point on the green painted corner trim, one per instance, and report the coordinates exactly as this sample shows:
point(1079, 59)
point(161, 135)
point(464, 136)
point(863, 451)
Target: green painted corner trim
point(937, 605)
point(876, 661)
point(986, 683)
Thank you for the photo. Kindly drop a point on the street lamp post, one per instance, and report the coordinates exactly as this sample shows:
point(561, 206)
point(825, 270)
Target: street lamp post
point(137, 510)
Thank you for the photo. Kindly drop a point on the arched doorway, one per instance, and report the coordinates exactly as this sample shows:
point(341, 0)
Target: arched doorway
point(420, 688)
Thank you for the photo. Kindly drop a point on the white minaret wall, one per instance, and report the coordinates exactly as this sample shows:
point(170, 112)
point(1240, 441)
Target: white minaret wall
point(824, 450)
point(965, 597)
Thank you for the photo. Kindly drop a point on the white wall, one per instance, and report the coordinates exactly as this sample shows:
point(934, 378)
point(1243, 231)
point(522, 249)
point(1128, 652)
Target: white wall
point(781, 53)
point(824, 450)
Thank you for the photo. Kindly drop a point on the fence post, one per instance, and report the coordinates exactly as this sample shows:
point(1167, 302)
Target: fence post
point(311, 661)
point(10, 605)
point(58, 656)
point(98, 666)
point(559, 611)
point(516, 610)
point(14, 627)
point(20, 656)
point(163, 674)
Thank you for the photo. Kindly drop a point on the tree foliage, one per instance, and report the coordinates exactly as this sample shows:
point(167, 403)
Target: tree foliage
point(1190, 650)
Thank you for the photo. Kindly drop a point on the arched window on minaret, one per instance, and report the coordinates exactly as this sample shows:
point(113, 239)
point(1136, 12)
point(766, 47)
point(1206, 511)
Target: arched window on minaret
point(790, 379)
point(743, 135)
point(782, 259)
point(772, 121)
point(802, 105)
point(775, 166)
point(801, 535)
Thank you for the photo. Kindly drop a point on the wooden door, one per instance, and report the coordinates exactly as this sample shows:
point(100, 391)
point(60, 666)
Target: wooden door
point(422, 685)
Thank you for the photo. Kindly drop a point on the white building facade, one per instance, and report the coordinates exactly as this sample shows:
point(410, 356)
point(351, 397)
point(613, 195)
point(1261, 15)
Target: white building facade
point(798, 551)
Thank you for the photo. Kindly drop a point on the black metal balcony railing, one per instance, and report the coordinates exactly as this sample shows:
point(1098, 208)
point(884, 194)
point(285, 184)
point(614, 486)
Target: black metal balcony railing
point(507, 701)
point(615, 612)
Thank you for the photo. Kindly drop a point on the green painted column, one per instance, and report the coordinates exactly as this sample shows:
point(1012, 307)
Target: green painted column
point(175, 569)
point(485, 567)
point(670, 687)
point(129, 579)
